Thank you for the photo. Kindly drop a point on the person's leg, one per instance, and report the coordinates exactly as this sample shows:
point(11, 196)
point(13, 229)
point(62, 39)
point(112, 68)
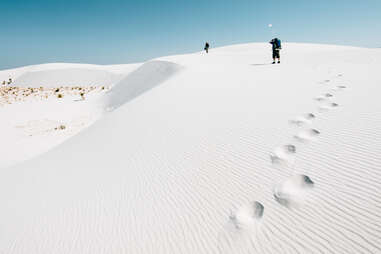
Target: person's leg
point(278, 56)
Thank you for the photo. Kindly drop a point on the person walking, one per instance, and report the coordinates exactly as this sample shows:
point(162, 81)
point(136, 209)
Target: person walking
point(276, 46)
point(206, 48)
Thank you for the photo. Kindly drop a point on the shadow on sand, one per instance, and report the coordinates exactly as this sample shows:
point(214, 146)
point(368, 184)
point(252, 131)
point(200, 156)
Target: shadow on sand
point(259, 64)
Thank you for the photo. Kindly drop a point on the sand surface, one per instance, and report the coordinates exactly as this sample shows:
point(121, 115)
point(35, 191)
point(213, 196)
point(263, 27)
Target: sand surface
point(218, 153)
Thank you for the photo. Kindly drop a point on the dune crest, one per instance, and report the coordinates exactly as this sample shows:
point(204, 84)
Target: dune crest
point(146, 77)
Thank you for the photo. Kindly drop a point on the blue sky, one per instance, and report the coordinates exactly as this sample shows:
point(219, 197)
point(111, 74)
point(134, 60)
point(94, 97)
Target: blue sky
point(116, 31)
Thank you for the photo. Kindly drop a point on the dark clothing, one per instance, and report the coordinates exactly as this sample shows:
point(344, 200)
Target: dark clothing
point(276, 47)
point(275, 43)
point(276, 53)
point(206, 47)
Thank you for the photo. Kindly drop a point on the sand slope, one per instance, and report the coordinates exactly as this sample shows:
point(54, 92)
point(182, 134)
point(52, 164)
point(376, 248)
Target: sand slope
point(69, 77)
point(67, 74)
point(144, 78)
point(228, 155)
point(43, 99)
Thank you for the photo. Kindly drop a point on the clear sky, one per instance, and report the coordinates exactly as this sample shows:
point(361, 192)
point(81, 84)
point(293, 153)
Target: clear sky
point(124, 31)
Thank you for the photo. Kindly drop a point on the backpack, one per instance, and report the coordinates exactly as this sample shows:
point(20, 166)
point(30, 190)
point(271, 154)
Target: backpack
point(278, 44)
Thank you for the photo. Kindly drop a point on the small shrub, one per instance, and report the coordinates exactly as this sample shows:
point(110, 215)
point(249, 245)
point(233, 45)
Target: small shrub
point(61, 127)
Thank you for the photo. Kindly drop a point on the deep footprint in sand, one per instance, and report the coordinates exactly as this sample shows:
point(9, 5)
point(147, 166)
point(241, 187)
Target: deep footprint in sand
point(338, 88)
point(324, 98)
point(327, 106)
point(307, 135)
point(293, 191)
point(284, 154)
point(303, 120)
point(241, 228)
point(247, 215)
point(324, 81)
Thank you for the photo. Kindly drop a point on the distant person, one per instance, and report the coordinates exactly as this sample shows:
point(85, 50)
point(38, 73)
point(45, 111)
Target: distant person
point(206, 47)
point(276, 48)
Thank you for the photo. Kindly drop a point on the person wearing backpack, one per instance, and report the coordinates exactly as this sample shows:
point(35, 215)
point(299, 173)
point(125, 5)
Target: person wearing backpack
point(276, 46)
point(206, 48)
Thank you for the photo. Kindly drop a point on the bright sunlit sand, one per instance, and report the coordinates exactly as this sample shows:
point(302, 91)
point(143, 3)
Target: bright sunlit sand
point(201, 153)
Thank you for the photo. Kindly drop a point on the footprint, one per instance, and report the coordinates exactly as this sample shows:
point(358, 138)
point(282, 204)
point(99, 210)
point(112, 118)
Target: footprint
point(307, 135)
point(239, 233)
point(320, 98)
point(324, 81)
point(283, 154)
point(341, 87)
point(302, 120)
point(327, 106)
point(293, 191)
point(338, 88)
point(323, 97)
point(247, 215)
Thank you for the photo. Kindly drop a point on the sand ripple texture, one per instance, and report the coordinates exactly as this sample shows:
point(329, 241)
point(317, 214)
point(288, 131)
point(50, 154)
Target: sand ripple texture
point(229, 155)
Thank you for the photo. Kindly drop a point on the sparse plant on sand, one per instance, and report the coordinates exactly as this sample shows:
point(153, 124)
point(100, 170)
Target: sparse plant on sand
point(61, 127)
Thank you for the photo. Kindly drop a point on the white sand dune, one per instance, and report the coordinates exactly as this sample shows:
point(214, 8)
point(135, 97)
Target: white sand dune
point(185, 164)
point(32, 123)
point(146, 77)
point(67, 74)
point(68, 77)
